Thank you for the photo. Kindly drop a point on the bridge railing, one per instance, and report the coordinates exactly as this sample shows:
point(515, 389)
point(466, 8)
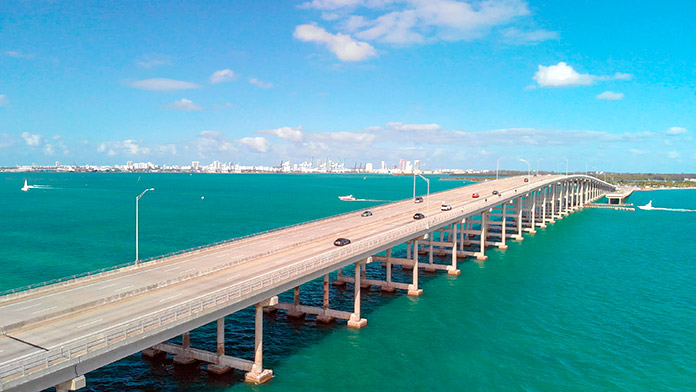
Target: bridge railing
point(102, 340)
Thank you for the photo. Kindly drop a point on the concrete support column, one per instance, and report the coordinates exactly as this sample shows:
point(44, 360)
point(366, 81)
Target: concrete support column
point(430, 247)
point(503, 227)
point(452, 269)
point(413, 289)
point(212, 367)
point(553, 204)
point(72, 385)
point(532, 219)
point(481, 255)
point(259, 375)
point(355, 320)
point(295, 313)
point(408, 249)
point(184, 359)
point(543, 207)
point(518, 215)
point(388, 287)
point(339, 282)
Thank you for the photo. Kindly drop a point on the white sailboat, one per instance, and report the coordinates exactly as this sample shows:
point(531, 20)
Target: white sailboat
point(26, 187)
point(648, 206)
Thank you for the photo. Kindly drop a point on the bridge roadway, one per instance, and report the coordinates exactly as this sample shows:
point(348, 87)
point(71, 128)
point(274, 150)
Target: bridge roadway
point(82, 315)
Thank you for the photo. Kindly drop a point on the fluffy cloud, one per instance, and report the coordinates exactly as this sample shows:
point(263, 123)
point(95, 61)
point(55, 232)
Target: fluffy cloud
point(419, 21)
point(258, 143)
point(342, 45)
point(413, 127)
point(260, 83)
point(153, 60)
point(286, 133)
point(3, 100)
point(610, 96)
point(221, 76)
point(563, 75)
point(673, 155)
point(210, 143)
point(674, 131)
point(127, 147)
point(162, 84)
point(184, 105)
point(31, 140)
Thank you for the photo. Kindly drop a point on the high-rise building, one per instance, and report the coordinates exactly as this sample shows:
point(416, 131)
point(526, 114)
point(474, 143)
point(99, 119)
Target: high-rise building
point(368, 167)
point(384, 165)
point(196, 165)
point(416, 165)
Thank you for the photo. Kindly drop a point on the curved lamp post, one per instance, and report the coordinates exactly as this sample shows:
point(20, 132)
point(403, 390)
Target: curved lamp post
point(137, 199)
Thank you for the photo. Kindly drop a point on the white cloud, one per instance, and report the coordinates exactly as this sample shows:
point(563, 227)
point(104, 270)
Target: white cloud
point(162, 84)
point(210, 143)
point(637, 152)
point(673, 155)
point(610, 96)
point(260, 83)
point(286, 133)
point(563, 75)
point(31, 140)
point(3, 100)
point(395, 27)
point(185, 105)
point(674, 131)
point(338, 4)
point(342, 45)
point(48, 149)
point(128, 147)
point(221, 76)
point(514, 35)
point(153, 60)
point(413, 127)
point(258, 143)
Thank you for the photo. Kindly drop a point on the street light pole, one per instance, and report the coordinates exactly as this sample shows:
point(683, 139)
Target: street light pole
point(137, 199)
point(529, 167)
point(427, 200)
point(497, 165)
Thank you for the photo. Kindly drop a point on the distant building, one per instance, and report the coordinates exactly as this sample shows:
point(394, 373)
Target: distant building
point(368, 167)
point(196, 165)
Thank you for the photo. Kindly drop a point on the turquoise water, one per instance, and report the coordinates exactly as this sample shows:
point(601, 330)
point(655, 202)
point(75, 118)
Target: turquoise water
point(601, 301)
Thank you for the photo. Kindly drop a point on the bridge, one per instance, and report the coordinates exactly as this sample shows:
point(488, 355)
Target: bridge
point(620, 194)
point(53, 334)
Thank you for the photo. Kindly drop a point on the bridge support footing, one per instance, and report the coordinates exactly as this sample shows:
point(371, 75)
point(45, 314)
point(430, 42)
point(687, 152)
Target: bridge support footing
point(72, 385)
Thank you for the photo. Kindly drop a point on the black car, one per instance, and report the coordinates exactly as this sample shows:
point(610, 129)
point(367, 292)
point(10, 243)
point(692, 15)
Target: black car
point(366, 213)
point(418, 199)
point(418, 216)
point(341, 241)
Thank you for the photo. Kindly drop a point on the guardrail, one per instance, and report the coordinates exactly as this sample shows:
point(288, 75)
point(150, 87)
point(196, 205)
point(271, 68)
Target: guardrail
point(101, 340)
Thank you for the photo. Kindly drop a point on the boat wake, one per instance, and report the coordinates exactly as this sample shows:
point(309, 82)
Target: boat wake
point(26, 186)
point(649, 207)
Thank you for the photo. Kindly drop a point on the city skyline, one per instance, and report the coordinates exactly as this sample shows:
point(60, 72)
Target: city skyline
point(454, 84)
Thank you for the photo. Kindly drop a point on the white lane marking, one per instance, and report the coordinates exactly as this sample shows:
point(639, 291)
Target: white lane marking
point(30, 306)
point(108, 285)
point(172, 269)
point(190, 269)
point(89, 323)
point(235, 276)
point(123, 288)
point(45, 310)
point(170, 297)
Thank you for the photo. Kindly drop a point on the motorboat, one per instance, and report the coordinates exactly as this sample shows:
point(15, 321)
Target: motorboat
point(347, 198)
point(26, 186)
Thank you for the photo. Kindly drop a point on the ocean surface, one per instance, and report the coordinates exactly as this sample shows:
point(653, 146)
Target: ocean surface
point(602, 300)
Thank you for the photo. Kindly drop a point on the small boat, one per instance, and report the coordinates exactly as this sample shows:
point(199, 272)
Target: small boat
point(26, 187)
point(347, 198)
point(648, 206)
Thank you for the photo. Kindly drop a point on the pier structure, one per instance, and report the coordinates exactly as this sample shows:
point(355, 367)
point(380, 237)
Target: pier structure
point(55, 334)
point(620, 195)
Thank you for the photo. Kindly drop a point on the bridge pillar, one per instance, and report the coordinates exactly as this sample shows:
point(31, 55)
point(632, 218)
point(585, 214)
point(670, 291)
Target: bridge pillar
point(518, 215)
point(431, 261)
point(532, 218)
point(503, 228)
point(389, 288)
point(355, 320)
point(552, 215)
point(413, 289)
point(544, 191)
point(259, 375)
point(184, 358)
point(72, 385)
point(325, 318)
point(295, 313)
point(452, 269)
point(213, 367)
point(481, 254)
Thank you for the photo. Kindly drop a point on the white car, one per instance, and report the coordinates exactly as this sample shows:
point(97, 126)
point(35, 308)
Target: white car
point(445, 207)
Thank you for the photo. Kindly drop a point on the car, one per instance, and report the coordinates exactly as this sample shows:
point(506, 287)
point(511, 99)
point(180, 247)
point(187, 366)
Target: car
point(366, 213)
point(445, 207)
point(418, 215)
point(526, 180)
point(418, 199)
point(341, 241)
point(475, 195)
point(496, 192)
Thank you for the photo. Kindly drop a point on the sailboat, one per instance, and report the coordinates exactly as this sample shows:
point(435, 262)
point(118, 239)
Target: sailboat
point(648, 206)
point(26, 187)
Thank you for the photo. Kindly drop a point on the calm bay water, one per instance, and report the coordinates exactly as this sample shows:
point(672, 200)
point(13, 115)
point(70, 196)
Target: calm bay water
point(602, 300)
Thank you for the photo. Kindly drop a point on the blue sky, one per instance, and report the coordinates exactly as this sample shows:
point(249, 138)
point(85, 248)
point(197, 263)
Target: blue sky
point(457, 84)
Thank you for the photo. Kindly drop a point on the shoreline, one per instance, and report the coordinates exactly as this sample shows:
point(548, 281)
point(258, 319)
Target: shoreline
point(666, 189)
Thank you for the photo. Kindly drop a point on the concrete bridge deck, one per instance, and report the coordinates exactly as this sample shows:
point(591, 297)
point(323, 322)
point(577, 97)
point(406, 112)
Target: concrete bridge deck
point(58, 332)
